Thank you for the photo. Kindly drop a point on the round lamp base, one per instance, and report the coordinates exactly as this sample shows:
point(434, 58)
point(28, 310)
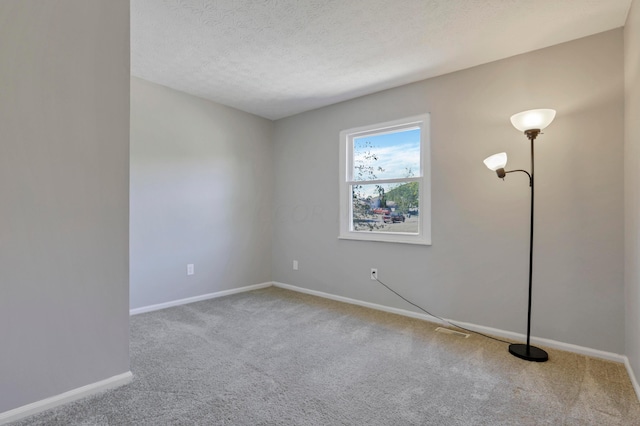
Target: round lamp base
point(529, 353)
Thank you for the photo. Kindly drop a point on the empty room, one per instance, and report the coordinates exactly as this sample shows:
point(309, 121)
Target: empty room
point(306, 212)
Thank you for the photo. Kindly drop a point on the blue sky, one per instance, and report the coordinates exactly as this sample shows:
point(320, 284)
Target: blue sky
point(396, 153)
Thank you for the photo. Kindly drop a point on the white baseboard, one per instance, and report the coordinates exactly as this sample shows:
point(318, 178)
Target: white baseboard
point(375, 306)
point(632, 376)
point(610, 356)
point(65, 398)
point(178, 302)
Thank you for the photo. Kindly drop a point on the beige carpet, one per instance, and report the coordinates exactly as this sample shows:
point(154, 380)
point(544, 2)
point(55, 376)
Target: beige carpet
point(277, 357)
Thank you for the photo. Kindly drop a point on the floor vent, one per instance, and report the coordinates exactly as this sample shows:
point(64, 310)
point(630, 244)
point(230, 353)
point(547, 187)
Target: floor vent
point(452, 332)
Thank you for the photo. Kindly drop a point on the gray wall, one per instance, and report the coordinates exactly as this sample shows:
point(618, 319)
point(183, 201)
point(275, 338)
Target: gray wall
point(201, 189)
point(632, 185)
point(477, 268)
point(64, 115)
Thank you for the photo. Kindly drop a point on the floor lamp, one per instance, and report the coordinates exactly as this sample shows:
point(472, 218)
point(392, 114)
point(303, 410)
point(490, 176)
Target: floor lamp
point(530, 122)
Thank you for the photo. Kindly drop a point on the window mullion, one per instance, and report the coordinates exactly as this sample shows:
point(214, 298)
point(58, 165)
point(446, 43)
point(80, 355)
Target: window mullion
point(384, 181)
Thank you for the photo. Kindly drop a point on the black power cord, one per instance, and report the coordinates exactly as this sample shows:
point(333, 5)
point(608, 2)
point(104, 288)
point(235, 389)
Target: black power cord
point(441, 319)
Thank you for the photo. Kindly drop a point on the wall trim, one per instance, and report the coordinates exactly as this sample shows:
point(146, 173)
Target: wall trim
point(595, 353)
point(632, 376)
point(65, 398)
point(187, 300)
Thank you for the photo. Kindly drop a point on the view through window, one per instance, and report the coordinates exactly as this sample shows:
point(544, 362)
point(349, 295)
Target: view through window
point(384, 186)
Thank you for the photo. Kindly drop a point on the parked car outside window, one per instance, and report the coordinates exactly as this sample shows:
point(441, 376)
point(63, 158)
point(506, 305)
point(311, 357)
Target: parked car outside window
point(393, 217)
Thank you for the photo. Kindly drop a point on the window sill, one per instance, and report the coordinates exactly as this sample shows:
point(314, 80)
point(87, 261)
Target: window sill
point(377, 239)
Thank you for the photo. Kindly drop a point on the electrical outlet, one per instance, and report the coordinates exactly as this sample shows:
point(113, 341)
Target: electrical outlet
point(190, 269)
point(374, 274)
point(295, 265)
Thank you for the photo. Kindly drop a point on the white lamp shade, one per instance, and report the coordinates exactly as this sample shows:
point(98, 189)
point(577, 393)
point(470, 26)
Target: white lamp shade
point(533, 119)
point(496, 161)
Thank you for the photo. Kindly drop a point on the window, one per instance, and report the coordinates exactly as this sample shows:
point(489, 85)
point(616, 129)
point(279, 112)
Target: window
point(384, 185)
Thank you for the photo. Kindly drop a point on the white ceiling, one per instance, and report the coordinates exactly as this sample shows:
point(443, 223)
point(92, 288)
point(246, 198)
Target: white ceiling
point(276, 58)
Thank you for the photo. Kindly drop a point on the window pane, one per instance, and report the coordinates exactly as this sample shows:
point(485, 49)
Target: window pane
point(386, 208)
point(387, 156)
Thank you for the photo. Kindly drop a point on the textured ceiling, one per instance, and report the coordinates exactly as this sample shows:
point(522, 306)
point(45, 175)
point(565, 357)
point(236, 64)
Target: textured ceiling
point(276, 58)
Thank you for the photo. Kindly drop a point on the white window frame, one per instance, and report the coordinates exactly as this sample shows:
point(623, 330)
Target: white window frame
point(423, 237)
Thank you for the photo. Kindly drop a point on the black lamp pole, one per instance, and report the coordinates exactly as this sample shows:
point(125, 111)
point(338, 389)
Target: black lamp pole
point(528, 352)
